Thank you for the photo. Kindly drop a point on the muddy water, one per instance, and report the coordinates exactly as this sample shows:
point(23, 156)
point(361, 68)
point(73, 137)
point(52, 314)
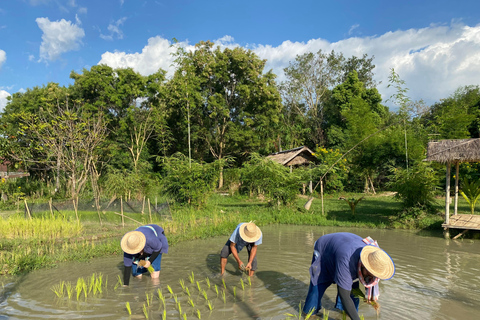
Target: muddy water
point(435, 279)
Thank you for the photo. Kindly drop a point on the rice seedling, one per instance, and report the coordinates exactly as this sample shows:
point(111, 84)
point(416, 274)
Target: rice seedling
point(210, 305)
point(164, 314)
point(175, 298)
point(179, 307)
point(190, 301)
point(119, 283)
point(223, 297)
point(357, 292)
point(91, 283)
point(81, 286)
point(243, 285)
point(127, 305)
point(207, 281)
point(145, 311)
point(299, 316)
point(224, 285)
point(325, 314)
point(59, 289)
point(344, 315)
point(234, 291)
point(216, 290)
point(191, 277)
point(147, 296)
point(249, 281)
point(182, 284)
point(184, 316)
point(204, 293)
point(187, 291)
point(170, 289)
point(199, 287)
point(160, 296)
point(69, 289)
point(199, 314)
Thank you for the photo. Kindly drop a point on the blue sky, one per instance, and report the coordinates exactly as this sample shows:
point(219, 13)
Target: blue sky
point(433, 45)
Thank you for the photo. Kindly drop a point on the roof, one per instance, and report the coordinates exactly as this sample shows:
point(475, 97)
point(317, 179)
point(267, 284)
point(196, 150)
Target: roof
point(297, 156)
point(455, 150)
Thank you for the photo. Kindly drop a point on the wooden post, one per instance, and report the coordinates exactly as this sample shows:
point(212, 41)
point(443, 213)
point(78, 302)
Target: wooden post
point(50, 204)
point(143, 205)
point(76, 212)
point(457, 165)
point(321, 193)
point(447, 201)
point(27, 209)
point(149, 210)
point(121, 211)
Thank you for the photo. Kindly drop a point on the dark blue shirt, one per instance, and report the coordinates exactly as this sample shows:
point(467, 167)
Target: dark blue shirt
point(155, 242)
point(335, 259)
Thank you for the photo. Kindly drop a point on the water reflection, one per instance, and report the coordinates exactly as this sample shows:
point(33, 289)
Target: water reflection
point(435, 279)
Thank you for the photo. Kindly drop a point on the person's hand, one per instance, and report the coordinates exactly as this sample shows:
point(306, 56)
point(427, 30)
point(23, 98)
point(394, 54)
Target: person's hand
point(241, 266)
point(146, 264)
point(248, 266)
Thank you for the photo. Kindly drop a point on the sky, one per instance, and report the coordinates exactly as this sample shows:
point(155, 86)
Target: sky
point(433, 45)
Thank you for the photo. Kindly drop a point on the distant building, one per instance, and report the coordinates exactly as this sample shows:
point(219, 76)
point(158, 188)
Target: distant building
point(7, 173)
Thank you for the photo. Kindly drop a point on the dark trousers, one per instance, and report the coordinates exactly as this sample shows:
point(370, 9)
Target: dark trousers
point(226, 251)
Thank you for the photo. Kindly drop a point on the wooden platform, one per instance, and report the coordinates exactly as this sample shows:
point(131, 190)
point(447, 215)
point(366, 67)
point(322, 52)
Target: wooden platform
point(463, 221)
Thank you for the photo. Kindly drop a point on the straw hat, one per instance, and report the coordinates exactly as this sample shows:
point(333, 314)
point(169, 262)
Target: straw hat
point(377, 262)
point(250, 232)
point(133, 242)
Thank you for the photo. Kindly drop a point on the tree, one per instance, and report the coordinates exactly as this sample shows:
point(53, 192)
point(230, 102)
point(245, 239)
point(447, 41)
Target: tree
point(238, 102)
point(69, 141)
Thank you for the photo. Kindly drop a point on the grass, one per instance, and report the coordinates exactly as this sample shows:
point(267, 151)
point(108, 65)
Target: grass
point(43, 241)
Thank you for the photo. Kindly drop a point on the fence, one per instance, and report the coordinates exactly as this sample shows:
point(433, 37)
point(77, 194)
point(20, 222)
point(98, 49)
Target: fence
point(117, 205)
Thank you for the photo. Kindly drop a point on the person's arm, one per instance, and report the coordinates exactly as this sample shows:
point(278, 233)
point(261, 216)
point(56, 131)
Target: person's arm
point(253, 253)
point(235, 253)
point(126, 275)
point(347, 303)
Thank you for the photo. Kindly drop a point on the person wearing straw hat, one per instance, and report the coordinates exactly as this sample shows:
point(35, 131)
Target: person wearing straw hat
point(346, 260)
point(245, 235)
point(143, 249)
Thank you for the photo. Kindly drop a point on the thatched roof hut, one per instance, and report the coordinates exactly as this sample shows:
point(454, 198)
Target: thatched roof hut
point(453, 152)
point(458, 150)
point(293, 157)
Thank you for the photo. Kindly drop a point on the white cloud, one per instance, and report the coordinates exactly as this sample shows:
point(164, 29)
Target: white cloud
point(352, 28)
point(3, 99)
point(433, 61)
point(114, 29)
point(3, 57)
point(58, 37)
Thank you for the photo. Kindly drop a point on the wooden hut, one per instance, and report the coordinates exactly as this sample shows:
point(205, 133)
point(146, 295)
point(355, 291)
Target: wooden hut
point(294, 157)
point(454, 152)
point(301, 156)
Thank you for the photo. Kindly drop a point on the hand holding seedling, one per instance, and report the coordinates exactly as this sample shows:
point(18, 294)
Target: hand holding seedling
point(144, 263)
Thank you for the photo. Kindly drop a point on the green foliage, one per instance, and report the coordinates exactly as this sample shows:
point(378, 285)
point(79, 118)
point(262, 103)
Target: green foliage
point(189, 183)
point(271, 179)
point(471, 192)
point(415, 187)
point(332, 167)
point(352, 203)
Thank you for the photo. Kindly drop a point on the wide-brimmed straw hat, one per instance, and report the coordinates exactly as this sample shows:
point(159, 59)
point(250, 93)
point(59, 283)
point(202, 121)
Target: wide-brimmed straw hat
point(377, 262)
point(250, 232)
point(133, 242)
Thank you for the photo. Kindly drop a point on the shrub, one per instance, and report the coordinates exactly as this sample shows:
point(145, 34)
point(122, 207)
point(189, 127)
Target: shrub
point(190, 183)
point(276, 182)
point(415, 187)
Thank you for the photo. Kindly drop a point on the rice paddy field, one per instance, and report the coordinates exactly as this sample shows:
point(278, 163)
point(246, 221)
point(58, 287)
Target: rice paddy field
point(68, 265)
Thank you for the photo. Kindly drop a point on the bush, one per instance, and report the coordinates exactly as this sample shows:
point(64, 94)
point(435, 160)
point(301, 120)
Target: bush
point(190, 183)
point(415, 187)
point(273, 180)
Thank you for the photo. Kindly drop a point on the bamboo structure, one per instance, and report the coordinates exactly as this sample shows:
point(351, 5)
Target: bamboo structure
point(455, 152)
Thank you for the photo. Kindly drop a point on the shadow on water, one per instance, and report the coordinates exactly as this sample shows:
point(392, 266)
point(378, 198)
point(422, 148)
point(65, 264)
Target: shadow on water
point(290, 289)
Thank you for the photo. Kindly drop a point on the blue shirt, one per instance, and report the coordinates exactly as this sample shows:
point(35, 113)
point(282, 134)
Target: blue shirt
point(335, 259)
point(239, 242)
point(155, 242)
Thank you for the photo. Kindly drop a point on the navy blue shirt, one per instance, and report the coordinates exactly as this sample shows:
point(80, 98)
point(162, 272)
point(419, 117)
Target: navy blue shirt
point(335, 259)
point(155, 242)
